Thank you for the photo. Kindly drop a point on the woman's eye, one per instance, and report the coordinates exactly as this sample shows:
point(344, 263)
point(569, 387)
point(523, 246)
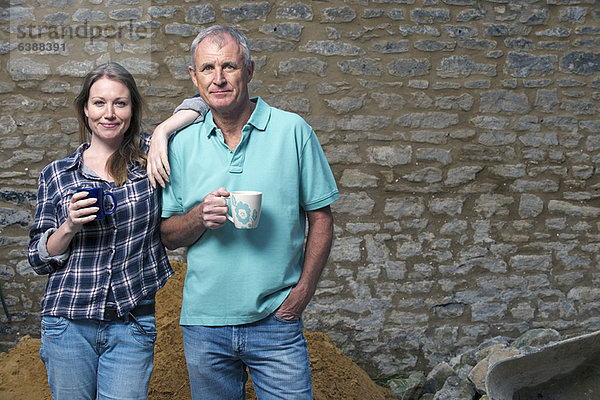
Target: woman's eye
point(98, 103)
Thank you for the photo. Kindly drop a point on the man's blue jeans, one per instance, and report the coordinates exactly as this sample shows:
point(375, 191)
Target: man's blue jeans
point(274, 351)
point(88, 359)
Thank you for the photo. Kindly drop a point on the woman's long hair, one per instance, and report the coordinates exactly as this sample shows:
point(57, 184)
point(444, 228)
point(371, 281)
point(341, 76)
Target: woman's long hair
point(130, 150)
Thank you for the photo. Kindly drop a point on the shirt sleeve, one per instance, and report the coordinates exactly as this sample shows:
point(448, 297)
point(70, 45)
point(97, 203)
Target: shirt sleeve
point(45, 223)
point(172, 202)
point(318, 188)
point(194, 103)
point(43, 249)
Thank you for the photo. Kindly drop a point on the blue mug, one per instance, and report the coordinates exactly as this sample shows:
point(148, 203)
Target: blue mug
point(98, 193)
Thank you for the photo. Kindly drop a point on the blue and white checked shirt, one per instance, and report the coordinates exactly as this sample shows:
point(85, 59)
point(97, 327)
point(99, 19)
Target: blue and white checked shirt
point(123, 250)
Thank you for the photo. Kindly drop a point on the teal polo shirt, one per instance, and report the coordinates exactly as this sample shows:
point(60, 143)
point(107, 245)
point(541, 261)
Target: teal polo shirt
point(237, 276)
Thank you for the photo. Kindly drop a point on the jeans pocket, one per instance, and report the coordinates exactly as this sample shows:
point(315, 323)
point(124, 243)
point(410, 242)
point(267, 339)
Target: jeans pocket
point(285, 321)
point(143, 329)
point(54, 326)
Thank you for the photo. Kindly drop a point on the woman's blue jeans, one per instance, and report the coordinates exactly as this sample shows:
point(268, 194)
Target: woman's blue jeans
point(274, 351)
point(89, 359)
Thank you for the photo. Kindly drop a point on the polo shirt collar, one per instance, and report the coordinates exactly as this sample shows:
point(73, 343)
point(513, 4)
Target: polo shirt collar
point(261, 114)
point(259, 118)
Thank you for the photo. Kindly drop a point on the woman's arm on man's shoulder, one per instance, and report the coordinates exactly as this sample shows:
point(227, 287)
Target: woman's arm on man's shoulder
point(190, 111)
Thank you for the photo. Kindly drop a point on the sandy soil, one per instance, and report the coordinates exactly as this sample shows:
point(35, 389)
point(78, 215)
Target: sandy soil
point(335, 376)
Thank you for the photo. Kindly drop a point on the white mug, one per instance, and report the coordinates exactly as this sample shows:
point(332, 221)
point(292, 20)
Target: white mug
point(245, 209)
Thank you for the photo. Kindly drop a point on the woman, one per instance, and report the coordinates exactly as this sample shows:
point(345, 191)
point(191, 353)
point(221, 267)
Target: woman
point(98, 326)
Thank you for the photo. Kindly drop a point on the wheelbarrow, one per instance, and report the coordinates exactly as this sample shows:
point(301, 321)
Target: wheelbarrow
point(565, 370)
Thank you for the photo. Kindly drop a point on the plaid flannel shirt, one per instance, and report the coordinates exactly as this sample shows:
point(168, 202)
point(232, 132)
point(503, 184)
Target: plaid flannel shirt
point(123, 250)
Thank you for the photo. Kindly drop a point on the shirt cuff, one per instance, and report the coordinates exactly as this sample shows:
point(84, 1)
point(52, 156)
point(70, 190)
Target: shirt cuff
point(43, 249)
point(194, 103)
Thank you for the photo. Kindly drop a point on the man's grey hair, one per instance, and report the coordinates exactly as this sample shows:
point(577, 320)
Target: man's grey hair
point(218, 31)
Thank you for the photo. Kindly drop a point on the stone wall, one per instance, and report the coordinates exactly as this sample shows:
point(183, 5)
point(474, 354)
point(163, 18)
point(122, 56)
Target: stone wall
point(464, 136)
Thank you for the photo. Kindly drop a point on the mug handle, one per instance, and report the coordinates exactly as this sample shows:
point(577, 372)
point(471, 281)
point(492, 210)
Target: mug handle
point(114, 203)
point(229, 217)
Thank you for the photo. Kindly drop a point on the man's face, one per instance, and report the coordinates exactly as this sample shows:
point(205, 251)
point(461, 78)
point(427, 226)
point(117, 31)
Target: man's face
point(220, 75)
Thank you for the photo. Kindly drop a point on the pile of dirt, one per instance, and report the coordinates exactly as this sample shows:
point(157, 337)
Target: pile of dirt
point(335, 376)
point(22, 373)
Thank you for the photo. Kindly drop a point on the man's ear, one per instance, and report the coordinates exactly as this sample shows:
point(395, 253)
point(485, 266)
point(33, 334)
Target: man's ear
point(193, 75)
point(251, 71)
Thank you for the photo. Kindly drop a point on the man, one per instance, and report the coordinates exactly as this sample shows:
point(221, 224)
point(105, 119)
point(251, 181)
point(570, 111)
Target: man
point(245, 290)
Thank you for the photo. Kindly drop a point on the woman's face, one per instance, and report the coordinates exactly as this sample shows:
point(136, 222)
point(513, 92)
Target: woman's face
point(108, 110)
